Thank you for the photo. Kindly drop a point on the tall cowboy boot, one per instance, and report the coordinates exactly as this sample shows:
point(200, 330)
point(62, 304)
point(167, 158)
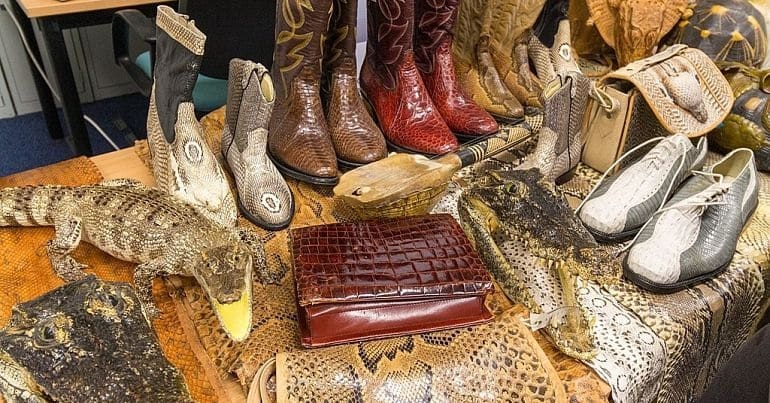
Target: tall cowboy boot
point(565, 96)
point(298, 141)
point(183, 164)
point(357, 139)
point(263, 195)
point(392, 84)
point(508, 32)
point(476, 73)
point(433, 57)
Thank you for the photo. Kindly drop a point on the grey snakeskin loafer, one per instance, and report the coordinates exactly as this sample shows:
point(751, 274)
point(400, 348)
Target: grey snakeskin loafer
point(619, 206)
point(693, 238)
point(263, 195)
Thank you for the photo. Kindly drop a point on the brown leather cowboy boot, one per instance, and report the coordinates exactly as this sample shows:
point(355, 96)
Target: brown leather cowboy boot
point(356, 138)
point(433, 57)
point(298, 141)
point(392, 84)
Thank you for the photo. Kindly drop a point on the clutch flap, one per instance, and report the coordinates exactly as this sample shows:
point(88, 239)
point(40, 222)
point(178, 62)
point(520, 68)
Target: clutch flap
point(412, 258)
point(683, 87)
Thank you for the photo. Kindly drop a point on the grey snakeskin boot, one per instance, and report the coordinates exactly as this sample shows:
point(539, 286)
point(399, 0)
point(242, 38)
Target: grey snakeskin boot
point(183, 164)
point(263, 195)
point(561, 139)
point(618, 207)
point(693, 237)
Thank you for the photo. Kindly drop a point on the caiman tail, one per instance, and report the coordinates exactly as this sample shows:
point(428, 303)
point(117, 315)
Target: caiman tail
point(30, 205)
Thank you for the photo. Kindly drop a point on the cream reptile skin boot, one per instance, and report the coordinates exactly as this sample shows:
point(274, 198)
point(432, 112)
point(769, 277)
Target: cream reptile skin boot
point(263, 195)
point(183, 164)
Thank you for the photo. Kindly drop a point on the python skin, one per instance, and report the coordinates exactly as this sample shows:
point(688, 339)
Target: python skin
point(357, 139)
point(298, 140)
point(494, 362)
point(182, 163)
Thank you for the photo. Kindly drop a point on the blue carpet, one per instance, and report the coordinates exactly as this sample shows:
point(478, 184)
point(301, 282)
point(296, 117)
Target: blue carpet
point(25, 143)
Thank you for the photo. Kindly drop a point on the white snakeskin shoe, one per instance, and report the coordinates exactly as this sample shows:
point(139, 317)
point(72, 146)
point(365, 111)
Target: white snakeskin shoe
point(693, 238)
point(263, 195)
point(183, 164)
point(618, 207)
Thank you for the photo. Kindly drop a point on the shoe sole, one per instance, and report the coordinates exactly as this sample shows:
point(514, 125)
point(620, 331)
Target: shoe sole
point(670, 288)
point(681, 285)
point(264, 225)
point(506, 119)
point(302, 177)
point(613, 238)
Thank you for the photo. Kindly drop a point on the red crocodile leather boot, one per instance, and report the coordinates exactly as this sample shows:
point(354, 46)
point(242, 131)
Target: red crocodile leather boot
point(392, 84)
point(433, 57)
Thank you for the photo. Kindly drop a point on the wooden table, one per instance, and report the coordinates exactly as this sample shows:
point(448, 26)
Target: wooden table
point(123, 164)
point(53, 17)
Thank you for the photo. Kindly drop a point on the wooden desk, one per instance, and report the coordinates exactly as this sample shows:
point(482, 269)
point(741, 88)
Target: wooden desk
point(55, 16)
point(46, 8)
point(123, 164)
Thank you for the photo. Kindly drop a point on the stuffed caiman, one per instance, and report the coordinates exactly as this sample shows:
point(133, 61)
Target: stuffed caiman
point(143, 225)
point(519, 211)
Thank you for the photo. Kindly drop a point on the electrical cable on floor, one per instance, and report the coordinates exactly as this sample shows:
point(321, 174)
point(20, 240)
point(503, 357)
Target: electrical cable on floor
point(48, 83)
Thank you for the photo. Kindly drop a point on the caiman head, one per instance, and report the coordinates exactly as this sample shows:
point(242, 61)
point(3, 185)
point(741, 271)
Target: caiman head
point(225, 274)
point(60, 338)
point(521, 205)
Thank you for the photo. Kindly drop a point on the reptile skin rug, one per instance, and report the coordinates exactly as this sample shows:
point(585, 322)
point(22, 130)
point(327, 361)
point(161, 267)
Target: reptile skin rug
point(275, 327)
point(691, 332)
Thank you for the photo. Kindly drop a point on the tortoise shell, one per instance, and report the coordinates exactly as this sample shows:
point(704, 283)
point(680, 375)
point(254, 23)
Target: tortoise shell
point(748, 125)
point(726, 30)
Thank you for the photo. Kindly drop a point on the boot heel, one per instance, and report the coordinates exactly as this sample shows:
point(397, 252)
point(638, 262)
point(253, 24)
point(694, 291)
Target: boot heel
point(565, 177)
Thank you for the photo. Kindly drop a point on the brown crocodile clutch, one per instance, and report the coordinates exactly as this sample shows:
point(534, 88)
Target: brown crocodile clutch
point(386, 278)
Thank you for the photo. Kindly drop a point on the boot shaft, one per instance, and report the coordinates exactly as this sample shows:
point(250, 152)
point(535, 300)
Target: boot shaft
point(435, 25)
point(390, 32)
point(250, 99)
point(341, 43)
point(178, 56)
point(300, 30)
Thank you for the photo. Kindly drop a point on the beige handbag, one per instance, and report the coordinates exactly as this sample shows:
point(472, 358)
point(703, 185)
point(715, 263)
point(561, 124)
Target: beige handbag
point(679, 90)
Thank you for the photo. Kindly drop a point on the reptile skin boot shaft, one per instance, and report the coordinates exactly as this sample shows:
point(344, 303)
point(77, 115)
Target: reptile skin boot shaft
point(298, 140)
point(392, 84)
point(476, 74)
point(433, 57)
point(183, 164)
point(263, 195)
point(357, 139)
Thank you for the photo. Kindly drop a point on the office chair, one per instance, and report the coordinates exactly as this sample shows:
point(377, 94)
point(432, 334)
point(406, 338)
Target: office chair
point(233, 28)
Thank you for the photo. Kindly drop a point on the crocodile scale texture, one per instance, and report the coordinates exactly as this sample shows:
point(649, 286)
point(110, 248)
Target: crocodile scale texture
point(391, 82)
point(433, 57)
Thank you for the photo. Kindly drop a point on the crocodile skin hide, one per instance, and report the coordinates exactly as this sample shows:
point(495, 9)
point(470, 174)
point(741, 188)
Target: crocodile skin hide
point(393, 85)
point(700, 327)
point(355, 136)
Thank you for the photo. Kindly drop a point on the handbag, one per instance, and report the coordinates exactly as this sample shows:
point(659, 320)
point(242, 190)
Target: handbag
point(385, 278)
point(679, 90)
